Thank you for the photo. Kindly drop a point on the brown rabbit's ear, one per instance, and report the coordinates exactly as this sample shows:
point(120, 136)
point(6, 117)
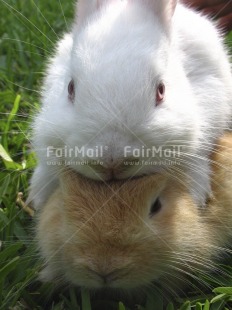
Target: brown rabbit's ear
point(85, 8)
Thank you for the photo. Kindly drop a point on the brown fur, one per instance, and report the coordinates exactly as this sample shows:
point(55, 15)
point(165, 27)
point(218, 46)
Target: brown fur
point(100, 235)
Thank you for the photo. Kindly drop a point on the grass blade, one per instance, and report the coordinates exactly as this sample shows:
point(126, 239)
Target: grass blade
point(85, 298)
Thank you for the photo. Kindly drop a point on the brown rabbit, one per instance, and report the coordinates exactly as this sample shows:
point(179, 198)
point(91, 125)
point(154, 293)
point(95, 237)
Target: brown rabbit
point(126, 234)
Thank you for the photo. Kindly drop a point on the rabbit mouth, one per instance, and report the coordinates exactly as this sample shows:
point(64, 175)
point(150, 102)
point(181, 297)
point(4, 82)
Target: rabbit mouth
point(113, 281)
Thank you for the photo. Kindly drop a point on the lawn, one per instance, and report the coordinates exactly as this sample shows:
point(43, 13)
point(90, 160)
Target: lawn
point(28, 32)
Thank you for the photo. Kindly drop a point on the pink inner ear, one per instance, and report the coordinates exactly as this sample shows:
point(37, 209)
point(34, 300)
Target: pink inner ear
point(173, 6)
point(162, 8)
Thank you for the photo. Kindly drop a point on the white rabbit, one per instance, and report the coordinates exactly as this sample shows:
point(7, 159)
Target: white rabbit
point(137, 87)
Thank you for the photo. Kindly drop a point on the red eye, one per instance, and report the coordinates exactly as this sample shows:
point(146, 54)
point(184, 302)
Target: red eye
point(160, 92)
point(71, 90)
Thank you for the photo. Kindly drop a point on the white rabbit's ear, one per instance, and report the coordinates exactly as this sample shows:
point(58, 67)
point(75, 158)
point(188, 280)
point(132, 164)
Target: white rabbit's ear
point(161, 8)
point(86, 8)
point(164, 8)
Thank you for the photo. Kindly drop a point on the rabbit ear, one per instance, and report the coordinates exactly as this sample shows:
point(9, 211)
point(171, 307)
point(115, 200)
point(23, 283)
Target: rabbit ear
point(161, 8)
point(165, 8)
point(86, 8)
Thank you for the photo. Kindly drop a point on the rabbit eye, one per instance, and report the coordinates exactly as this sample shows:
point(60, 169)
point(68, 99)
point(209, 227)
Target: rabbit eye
point(155, 208)
point(160, 93)
point(71, 90)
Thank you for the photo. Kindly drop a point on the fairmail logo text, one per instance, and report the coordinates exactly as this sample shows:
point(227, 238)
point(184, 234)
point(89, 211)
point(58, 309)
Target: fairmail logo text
point(171, 151)
point(76, 152)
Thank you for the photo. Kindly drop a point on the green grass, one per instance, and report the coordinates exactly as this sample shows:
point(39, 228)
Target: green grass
point(26, 40)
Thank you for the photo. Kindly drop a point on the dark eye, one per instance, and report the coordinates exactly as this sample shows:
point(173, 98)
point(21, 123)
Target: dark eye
point(155, 208)
point(71, 90)
point(160, 93)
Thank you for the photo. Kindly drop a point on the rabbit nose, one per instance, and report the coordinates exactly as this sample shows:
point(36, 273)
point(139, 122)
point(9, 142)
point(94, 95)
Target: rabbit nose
point(113, 166)
point(107, 278)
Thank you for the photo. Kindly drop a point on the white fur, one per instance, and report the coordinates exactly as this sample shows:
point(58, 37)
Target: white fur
point(117, 53)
